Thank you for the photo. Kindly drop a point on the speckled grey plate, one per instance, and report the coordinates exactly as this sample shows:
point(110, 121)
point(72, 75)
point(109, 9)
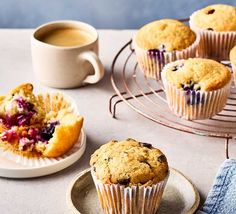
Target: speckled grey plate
point(180, 195)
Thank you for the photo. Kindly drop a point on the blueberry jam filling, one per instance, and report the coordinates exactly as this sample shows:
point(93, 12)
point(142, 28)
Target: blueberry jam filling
point(26, 143)
point(26, 106)
point(192, 91)
point(9, 136)
point(177, 67)
point(29, 138)
point(211, 11)
point(158, 54)
point(48, 131)
point(23, 117)
point(19, 119)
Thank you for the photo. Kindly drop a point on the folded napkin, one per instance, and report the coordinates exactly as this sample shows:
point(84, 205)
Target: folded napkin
point(222, 197)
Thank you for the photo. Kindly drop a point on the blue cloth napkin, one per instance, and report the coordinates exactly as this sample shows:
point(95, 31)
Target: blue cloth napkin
point(222, 197)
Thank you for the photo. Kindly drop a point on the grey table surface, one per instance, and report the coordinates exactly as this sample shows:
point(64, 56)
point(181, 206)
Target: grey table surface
point(197, 157)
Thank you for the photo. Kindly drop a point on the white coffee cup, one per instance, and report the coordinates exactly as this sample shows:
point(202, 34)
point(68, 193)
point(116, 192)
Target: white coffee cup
point(66, 66)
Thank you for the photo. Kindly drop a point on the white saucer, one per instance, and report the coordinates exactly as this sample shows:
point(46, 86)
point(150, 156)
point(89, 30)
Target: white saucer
point(11, 169)
point(180, 195)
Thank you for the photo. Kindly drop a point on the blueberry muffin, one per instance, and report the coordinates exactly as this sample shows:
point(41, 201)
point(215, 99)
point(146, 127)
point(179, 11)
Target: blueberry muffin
point(37, 125)
point(216, 24)
point(233, 61)
point(119, 167)
point(196, 88)
point(163, 41)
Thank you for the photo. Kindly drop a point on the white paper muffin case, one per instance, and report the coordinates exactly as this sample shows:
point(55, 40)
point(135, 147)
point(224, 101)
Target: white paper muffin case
point(118, 199)
point(151, 62)
point(215, 45)
point(195, 105)
point(53, 101)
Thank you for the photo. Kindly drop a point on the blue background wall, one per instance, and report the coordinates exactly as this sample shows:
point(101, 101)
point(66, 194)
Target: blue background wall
point(113, 14)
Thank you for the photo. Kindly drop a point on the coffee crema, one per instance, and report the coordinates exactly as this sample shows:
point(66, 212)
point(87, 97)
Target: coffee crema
point(67, 37)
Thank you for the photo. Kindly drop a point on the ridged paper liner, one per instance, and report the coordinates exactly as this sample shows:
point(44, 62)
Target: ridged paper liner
point(118, 199)
point(215, 45)
point(152, 64)
point(52, 101)
point(195, 105)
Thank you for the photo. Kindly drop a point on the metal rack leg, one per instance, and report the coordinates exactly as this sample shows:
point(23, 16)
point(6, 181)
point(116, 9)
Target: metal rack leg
point(112, 108)
point(227, 148)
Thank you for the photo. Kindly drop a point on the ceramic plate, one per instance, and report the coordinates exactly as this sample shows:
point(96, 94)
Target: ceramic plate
point(11, 169)
point(180, 195)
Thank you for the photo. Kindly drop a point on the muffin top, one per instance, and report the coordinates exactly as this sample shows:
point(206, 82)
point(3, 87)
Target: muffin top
point(197, 74)
point(217, 17)
point(165, 34)
point(233, 55)
point(129, 163)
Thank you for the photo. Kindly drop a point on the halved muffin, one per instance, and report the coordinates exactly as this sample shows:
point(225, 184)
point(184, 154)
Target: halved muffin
point(37, 125)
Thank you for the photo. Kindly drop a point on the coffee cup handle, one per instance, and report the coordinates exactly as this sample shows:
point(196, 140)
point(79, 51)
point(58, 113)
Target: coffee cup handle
point(91, 57)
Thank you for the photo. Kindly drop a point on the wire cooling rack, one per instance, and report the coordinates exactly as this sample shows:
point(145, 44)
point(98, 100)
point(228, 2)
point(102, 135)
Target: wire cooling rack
point(146, 96)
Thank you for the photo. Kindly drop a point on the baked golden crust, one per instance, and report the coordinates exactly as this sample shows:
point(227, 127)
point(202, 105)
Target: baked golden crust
point(217, 17)
point(165, 34)
point(37, 125)
point(130, 163)
point(26, 88)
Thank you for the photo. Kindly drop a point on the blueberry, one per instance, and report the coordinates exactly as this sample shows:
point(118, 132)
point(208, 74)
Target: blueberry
point(153, 51)
point(175, 68)
point(124, 181)
point(186, 88)
point(192, 91)
point(161, 159)
point(158, 55)
point(107, 159)
point(148, 145)
point(191, 100)
point(198, 97)
point(211, 29)
point(47, 132)
point(146, 162)
point(197, 87)
point(188, 92)
point(162, 47)
point(211, 11)
point(195, 98)
point(203, 99)
point(130, 139)
point(27, 106)
point(191, 87)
